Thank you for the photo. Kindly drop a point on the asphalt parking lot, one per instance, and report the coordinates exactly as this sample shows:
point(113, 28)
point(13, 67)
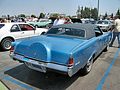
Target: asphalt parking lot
point(105, 75)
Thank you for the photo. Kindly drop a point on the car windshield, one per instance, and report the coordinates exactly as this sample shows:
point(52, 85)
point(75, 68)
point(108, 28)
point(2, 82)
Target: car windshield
point(67, 31)
point(1, 25)
point(102, 22)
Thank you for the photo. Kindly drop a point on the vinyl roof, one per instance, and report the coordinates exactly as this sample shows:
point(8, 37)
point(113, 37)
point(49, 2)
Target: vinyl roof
point(89, 28)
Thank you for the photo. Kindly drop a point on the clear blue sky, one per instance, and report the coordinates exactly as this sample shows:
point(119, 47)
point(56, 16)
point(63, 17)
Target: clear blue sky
point(69, 7)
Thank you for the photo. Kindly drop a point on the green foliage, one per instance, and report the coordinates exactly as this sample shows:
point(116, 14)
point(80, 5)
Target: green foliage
point(118, 13)
point(111, 16)
point(94, 13)
point(54, 15)
point(78, 12)
point(42, 15)
point(105, 16)
point(33, 16)
point(22, 15)
point(87, 12)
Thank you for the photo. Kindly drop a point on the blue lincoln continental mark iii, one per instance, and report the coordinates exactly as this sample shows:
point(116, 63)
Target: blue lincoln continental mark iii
point(64, 48)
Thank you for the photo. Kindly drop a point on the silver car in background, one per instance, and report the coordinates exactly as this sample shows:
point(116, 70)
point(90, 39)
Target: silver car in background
point(104, 25)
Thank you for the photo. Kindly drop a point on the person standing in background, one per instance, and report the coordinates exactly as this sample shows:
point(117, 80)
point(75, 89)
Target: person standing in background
point(116, 31)
point(67, 20)
point(56, 21)
point(59, 20)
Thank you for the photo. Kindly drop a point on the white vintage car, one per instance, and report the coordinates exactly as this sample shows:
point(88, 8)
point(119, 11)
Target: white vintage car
point(9, 32)
point(104, 25)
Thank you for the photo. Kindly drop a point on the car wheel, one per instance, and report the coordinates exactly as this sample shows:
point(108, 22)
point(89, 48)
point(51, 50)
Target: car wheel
point(6, 43)
point(87, 68)
point(36, 26)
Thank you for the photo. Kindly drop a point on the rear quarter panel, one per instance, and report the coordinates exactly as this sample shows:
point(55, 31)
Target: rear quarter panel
point(91, 48)
point(83, 53)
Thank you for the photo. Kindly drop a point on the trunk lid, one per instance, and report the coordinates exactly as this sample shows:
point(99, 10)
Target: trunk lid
point(55, 49)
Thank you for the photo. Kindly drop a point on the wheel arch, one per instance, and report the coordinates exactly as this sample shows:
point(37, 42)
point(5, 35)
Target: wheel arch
point(3, 43)
point(8, 37)
point(92, 56)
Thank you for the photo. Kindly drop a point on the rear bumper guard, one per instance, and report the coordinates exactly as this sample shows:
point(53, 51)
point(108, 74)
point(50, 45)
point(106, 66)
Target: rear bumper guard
point(41, 66)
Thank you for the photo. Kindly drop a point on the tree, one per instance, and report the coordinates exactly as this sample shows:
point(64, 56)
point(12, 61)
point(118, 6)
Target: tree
point(8, 17)
point(118, 13)
point(33, 16)
point(54, 15)
point(105, 16)
point(111, 16)
point(21, 15)
point(78, 12)
point(82, 12)
point(94, 13)
point(86, 12)
point(42, 15)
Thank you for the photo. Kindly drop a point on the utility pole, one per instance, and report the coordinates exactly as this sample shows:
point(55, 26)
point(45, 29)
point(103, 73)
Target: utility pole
point(98, 10)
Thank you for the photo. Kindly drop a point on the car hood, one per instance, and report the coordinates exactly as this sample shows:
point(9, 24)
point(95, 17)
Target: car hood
point(47, 47)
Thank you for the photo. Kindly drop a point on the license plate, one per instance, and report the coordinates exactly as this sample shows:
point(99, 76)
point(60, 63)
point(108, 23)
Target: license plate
point(40, 68)
point(35, 65)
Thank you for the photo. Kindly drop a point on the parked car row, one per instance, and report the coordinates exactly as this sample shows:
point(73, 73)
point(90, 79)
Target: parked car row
point(65, 48)
point(41, 23)
point(9, 32)
point(105, 25)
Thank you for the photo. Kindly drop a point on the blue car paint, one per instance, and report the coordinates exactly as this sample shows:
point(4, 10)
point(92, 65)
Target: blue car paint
point(49, 45)
point(56, 50)
point(92, 49)
point(85, 53)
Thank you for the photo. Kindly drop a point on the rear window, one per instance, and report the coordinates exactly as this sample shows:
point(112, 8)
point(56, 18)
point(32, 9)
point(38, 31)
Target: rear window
point(1, 25)
point(67, 31)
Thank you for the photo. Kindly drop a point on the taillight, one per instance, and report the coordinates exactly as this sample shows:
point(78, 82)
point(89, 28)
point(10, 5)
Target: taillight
point(71, 62)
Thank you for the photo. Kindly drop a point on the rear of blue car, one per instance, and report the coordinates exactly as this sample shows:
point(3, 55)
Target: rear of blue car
point(62, 52)
point(43, 55)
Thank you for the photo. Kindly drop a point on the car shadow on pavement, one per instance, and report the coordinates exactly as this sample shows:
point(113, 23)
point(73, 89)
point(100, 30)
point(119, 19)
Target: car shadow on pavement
point(1, 50)
point(44, 81)
point(115, 46)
